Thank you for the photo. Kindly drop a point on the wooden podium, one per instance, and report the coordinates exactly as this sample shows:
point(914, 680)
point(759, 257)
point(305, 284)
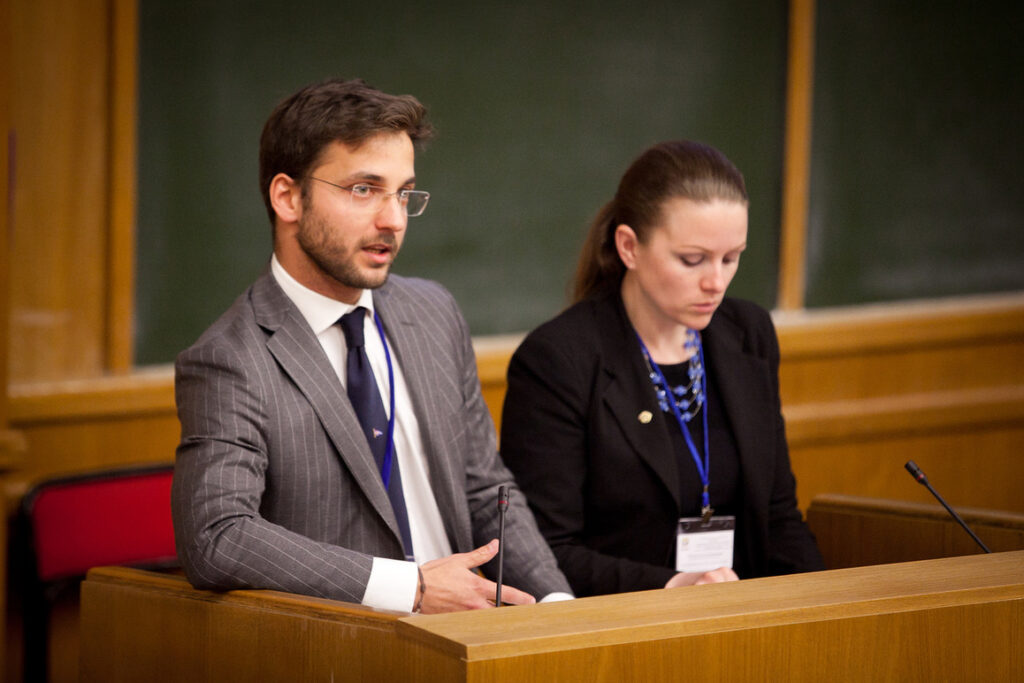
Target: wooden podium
point(948, 619)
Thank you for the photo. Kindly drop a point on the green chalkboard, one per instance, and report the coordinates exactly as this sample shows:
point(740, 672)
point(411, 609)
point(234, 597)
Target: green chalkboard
point(540, 107)
point(917, 188)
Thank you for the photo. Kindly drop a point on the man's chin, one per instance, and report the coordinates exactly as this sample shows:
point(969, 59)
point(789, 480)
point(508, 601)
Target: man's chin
point(372, 278)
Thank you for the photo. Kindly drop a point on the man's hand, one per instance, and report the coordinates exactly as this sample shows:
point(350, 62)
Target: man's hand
point(719, 575)
point(451, 586)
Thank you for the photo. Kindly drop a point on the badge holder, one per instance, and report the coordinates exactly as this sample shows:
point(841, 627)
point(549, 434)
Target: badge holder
point(702, 546)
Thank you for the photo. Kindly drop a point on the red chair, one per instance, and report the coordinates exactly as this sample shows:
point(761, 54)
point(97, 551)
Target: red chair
point(71, 524)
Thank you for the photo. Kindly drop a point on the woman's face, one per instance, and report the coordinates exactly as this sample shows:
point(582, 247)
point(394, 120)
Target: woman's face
point(681, 272)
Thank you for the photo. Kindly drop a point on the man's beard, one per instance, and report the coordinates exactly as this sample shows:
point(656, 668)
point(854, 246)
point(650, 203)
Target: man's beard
point(314, 239)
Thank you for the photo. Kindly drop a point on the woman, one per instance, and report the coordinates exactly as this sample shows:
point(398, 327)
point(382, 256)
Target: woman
point(608, 462)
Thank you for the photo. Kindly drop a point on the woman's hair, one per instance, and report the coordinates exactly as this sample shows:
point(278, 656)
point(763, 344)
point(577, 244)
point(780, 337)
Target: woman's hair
point(668, 170)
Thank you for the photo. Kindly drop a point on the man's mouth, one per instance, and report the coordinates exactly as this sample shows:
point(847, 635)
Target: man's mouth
point(381, 251)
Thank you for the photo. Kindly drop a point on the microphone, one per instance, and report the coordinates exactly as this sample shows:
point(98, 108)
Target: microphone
point(918, 475)
point(503, 492)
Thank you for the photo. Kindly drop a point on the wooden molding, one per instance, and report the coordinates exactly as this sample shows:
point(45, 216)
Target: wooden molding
point(797, 168)
point(904, 325)
point(120, 290)
point(904, 415)
point(145, 392)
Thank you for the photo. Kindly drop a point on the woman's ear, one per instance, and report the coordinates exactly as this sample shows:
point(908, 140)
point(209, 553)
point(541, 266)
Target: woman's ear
point(626, 243)
point(286, 198)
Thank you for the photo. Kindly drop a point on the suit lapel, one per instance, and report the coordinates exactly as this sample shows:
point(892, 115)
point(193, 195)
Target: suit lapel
point(297, 350)
point(414, 350)
point(630, 397)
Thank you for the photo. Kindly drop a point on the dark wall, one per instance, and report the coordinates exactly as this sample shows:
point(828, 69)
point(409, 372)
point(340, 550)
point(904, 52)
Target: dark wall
point(917, 189)
point(539, 106)
point(915, 179)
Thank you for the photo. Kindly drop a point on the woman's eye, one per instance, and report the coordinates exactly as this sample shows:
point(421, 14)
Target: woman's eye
point(692, 260)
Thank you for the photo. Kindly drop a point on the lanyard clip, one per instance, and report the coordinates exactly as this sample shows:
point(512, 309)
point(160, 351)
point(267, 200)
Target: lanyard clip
point(705, 514)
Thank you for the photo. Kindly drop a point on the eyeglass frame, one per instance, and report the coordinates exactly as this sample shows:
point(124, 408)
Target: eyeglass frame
point(383, 196)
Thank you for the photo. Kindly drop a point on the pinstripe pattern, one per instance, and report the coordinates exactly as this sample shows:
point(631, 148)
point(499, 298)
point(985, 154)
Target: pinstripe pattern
point(275, 485)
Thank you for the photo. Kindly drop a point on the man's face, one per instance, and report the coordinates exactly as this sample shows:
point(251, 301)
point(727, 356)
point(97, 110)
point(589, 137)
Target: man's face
point(351, 247)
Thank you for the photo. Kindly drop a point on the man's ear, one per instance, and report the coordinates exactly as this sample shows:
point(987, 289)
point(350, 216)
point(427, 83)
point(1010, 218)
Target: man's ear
point(286, 198)
point(626, 243)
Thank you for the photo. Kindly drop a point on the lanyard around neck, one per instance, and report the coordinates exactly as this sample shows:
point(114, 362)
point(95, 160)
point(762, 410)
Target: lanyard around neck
point(389, 452)
point(703, 467)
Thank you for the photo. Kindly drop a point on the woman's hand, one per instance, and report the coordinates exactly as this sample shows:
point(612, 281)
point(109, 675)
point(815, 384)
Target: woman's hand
point(720, 575)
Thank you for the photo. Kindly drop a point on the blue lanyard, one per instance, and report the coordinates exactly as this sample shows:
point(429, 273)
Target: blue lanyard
point(703, 468)
point(389, 452)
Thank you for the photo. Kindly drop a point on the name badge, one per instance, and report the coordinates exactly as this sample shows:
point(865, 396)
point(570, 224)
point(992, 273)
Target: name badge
point(702, 546)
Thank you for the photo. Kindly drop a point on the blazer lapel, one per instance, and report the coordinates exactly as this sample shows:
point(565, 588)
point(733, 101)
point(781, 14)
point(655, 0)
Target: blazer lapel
point(742, 380)
point(630, 397)
point(413, 349)
point(297, 350)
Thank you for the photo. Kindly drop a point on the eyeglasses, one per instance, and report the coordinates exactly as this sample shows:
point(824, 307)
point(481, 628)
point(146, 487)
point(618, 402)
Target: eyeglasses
point(368, 197)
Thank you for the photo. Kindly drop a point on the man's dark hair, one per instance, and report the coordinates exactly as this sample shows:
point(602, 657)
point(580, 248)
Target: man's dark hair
point(336, 110)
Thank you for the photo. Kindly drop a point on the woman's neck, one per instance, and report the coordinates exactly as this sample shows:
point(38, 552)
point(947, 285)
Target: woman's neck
point(664, 338)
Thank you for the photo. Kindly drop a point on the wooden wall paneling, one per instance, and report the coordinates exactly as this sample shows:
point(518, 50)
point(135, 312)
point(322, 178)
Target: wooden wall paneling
point(92, 424)
point(897, 349)
point(6, 49)
point(6, 437)
point(58, 237)
point(976, 466)
point(855, 531)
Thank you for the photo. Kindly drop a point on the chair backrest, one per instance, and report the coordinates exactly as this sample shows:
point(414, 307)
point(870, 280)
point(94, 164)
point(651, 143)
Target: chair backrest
point(120, 516)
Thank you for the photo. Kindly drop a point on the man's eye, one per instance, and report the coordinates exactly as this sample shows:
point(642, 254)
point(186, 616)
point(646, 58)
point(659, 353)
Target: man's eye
point(365, 191)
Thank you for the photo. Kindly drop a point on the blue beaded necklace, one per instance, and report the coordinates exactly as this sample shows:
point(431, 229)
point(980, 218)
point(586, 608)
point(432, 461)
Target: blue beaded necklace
point(689, 397)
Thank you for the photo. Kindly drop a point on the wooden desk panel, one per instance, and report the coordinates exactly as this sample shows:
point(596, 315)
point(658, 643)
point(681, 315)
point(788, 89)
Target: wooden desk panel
point(929, 620)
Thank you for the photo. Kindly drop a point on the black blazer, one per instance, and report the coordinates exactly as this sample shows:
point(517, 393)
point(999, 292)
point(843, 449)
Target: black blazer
point(604, 485)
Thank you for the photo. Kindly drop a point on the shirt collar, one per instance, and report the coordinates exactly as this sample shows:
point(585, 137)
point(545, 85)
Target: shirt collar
point(321, 312)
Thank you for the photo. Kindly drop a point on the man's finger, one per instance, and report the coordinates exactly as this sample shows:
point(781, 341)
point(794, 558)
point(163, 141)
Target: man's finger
point(513, 596)
point(482, 555)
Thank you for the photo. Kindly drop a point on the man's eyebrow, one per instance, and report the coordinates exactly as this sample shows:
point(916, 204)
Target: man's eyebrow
point(364, 175)
point(374, 178)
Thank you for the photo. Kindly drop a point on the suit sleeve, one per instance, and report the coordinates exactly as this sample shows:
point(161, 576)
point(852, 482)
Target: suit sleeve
point(529, 564)
point(220, 476)
point(545, 441)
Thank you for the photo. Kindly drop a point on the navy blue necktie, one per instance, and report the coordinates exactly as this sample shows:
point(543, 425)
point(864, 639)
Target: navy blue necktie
point(366, 400)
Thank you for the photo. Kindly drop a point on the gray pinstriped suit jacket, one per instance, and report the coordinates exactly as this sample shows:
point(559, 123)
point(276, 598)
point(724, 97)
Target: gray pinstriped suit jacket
point(274, 484)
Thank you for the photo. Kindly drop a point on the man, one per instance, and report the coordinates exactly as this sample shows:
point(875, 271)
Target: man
point(334, 439)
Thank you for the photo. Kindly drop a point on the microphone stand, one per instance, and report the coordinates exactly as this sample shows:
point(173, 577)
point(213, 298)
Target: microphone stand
point(918, 475)
point(502, 509)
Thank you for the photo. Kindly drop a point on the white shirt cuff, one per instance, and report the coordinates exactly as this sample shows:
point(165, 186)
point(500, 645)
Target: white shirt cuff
point(557, 597)
point(392, 585)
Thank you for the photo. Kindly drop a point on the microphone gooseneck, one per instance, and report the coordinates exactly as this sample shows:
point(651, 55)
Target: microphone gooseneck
point(503, 493)
point(921, 479)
